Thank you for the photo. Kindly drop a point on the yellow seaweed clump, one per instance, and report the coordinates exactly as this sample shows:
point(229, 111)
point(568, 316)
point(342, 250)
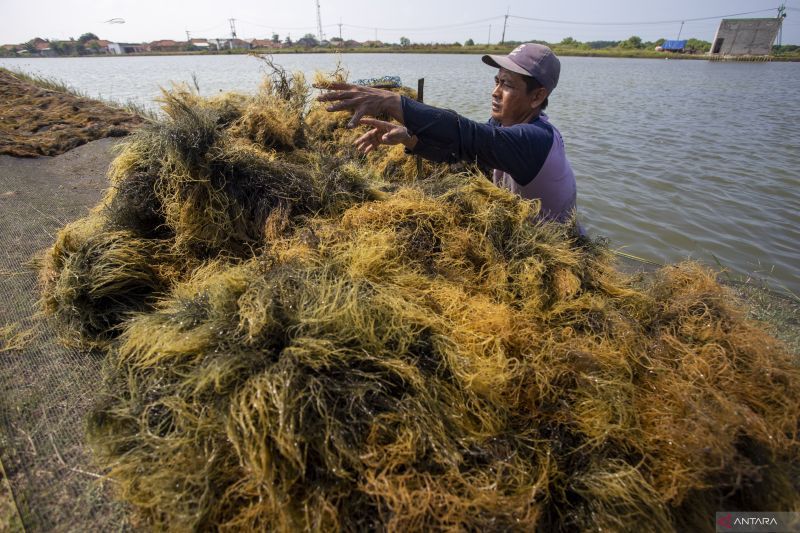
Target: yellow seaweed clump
point(440, 361)
point(94, 278)
point(303, 338)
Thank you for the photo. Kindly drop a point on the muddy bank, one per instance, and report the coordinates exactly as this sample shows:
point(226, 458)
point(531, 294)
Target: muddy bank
point(36, 121)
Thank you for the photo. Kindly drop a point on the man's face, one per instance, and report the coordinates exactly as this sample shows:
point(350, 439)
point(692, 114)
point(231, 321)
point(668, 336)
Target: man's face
point(511, 101)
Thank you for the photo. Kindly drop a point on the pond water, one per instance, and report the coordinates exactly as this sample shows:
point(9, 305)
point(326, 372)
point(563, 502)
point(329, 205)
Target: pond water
point(674, 159)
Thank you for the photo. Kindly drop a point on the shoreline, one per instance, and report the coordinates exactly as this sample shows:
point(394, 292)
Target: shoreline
point(562, 52)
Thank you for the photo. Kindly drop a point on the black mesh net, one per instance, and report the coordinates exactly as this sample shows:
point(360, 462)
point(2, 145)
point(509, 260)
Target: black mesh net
point(46, 389)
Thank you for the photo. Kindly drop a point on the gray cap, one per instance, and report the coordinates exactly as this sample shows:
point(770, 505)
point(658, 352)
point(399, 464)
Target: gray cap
point(530, 59)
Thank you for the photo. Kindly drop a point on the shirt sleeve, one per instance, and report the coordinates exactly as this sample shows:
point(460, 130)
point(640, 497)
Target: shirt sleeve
point(445, 136)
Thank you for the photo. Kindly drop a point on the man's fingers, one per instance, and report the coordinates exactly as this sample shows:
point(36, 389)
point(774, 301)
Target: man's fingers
point(338, 95)
point(339, 106)
point(357, 114)
point(335, 86)
point(372, 136)
point(364, 138)
point(379, 124)
point(396, 135)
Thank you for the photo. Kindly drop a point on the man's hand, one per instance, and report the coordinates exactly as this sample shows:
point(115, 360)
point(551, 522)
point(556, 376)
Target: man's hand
point(361, 101)
point(383, 132)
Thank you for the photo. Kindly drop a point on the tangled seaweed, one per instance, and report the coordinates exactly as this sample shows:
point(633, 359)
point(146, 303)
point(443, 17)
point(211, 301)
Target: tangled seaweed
point(96, 277)
point(337, 353)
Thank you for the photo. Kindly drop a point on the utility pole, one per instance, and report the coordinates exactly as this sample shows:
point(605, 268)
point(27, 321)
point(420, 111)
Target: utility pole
point(681, 30)
point(340, 29)
point(233, 28)
point(503, 38)
point(489, 40)
point(188, 36)
point(319, 24)
point(781, 15)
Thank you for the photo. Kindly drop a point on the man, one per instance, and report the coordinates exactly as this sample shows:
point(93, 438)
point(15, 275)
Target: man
point(519, 143)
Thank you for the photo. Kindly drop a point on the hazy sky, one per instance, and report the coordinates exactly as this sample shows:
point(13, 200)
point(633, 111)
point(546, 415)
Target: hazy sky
point(419, 20)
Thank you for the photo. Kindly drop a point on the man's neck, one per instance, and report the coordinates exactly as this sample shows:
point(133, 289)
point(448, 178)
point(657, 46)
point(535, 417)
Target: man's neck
point(530, 117)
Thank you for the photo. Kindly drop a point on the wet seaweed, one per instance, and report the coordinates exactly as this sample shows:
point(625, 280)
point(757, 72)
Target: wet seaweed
point(341, 353)
point(94, 278)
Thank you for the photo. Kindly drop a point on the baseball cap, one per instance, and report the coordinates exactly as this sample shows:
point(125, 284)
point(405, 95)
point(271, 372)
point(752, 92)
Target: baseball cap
point(530, 59)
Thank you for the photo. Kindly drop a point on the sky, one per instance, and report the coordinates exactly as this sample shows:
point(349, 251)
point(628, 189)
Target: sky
point(421, 21)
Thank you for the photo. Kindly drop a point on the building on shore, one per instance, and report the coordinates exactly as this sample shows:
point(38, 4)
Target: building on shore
point(229, 44)
point(167, 45)
point(745, 37)
point(98, 46)
point(264, 43)
point(44, 49)
point(198, 44)
point(127, 48)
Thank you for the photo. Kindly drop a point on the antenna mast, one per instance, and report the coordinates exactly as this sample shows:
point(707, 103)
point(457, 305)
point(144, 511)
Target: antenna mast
point(503, 38)
point(319, 24)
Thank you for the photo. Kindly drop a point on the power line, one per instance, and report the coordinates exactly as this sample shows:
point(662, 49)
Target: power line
point(272, 26)
point(426, 28)
point(476, 22)
point(674, 21)
point(208, 29)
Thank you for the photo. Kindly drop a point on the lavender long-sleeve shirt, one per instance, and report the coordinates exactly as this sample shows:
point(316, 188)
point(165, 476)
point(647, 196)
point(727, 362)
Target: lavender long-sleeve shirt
point(528, 159)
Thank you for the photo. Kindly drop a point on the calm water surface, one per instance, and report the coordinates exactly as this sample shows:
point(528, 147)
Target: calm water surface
point(674, 159)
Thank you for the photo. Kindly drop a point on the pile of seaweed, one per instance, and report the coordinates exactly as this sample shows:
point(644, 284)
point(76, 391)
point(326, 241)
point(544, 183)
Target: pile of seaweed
point(39, 116)
point(295, 341)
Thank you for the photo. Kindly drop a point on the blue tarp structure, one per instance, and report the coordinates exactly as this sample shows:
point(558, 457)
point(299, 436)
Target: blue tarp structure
point(674, 45)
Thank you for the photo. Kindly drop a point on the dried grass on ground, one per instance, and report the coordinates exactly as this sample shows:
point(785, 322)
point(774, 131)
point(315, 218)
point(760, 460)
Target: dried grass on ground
point(45, 119)
point(299, 341)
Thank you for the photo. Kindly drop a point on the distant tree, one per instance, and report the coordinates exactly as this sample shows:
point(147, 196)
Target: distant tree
point(288, 40)
point(659, 42)
point(469, 42)
point(94, 47)
point(568, 41)
point(598, 45)
point(698, 45)
point(456, 44)
point(634, 41)
point(276, 38)
point(405, 41)
point(87, 37)
point(786, 48)
point(61, 48)
point(308, 41)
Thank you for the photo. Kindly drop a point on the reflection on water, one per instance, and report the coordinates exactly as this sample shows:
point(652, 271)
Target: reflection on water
point(674, 159)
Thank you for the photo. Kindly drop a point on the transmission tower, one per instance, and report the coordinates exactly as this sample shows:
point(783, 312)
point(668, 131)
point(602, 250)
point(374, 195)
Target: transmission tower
point(233, 28)
point(781, 16)
point(503, 38)
point(319, 24)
